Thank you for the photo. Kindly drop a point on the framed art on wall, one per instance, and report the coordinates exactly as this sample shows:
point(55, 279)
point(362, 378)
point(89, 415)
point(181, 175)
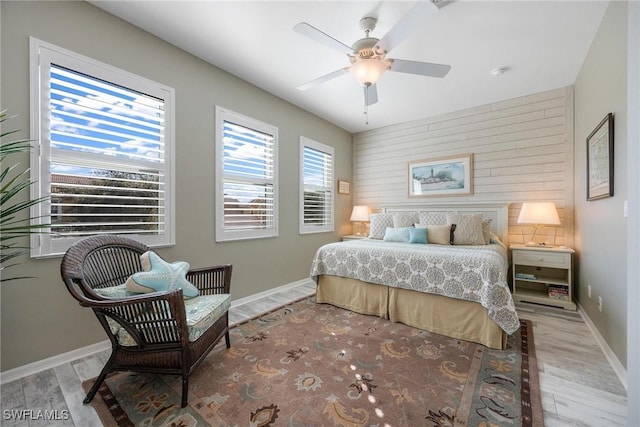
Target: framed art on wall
point(600, 160)
point(344, 187)
point(442, 176)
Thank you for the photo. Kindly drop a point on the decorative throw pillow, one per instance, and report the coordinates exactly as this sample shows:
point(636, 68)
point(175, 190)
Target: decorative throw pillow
point(159, 275)
point(396, 234)
point(469, 228)
point(378, 224)
point(438, 234)
point(405, 219)
point(435, 217)
point(486, 230)
point(417, 235)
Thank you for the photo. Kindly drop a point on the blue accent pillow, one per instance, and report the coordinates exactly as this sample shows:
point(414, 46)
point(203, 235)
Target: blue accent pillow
point(396, 234)
point(418, 235)
point(159, 275)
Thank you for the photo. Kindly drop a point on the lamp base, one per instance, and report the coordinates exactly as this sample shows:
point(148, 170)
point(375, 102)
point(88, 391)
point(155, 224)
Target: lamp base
point(360, 229)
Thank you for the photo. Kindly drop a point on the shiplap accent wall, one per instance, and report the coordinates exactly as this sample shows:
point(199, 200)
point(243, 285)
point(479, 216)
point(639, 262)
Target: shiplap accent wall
point(522, 148)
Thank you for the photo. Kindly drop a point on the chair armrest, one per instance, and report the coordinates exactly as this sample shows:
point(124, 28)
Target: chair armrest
point(154, 318)
point(211, 280)
point(106, 302)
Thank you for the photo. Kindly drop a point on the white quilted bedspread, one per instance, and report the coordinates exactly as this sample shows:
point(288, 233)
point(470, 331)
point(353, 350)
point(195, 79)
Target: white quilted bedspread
point(473, 273)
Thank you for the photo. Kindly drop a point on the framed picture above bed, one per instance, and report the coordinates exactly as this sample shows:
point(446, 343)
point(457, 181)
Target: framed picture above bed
point(441, 176)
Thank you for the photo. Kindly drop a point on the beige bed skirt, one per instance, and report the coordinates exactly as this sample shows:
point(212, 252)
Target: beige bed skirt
point(465, 320)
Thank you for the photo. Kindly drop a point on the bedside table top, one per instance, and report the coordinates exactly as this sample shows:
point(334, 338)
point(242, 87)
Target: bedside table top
point(542, 248)
point(353, 237)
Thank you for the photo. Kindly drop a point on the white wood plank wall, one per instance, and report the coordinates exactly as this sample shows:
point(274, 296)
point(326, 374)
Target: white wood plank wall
point(522, 147)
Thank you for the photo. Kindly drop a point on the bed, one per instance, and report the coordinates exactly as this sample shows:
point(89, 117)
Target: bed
point(457, 290)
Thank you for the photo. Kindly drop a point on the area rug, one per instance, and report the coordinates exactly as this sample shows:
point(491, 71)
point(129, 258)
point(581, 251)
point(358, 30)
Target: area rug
point(310, 364)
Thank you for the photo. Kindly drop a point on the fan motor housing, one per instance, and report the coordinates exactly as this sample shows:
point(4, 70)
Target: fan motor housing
point(365, 48)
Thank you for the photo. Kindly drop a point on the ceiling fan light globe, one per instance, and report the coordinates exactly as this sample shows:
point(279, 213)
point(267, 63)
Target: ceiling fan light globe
point(368, 71)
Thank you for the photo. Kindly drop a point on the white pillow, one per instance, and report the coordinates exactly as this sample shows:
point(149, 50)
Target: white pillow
point(469, 228)
point(437, 234)
point(486, 230)
point(378, 224)
point(405, 219)
point(436, 217)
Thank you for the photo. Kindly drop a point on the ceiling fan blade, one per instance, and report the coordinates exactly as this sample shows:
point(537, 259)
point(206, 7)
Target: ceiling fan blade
point(322, 38)
point(324, 78)
point(410, 22)
point(370, 95)
point(421, 68)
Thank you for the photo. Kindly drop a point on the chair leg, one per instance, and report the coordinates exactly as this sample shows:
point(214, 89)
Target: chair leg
point(227, 339)
point(96, 385)
point(185, 389)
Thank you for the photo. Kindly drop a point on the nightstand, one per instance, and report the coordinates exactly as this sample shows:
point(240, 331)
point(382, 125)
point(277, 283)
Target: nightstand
point(543, 275)
point(352, 237)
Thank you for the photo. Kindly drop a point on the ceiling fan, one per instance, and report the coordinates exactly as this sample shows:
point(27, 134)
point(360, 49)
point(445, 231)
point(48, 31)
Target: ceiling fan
point(368, 55)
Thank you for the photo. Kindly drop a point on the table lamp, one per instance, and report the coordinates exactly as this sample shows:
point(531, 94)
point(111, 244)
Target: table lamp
point(539, 214)
point(359, 216)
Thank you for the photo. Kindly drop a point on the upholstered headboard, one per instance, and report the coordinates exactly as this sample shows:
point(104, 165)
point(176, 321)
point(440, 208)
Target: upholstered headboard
point(498, 213)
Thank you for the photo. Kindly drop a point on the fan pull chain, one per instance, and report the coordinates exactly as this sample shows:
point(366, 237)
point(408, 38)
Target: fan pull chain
point(366, 104)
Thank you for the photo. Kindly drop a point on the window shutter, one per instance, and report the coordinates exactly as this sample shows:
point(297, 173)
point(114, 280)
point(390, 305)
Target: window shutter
point(246, 175)
point(317, 184)
point(107, 151)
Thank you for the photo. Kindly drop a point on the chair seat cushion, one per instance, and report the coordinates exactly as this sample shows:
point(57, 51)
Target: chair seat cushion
point(120, 291)
point(202, 312)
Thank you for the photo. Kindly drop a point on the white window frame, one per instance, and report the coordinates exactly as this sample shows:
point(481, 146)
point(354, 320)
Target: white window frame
point(42, 54)
point(223, 115)
point(318, 146)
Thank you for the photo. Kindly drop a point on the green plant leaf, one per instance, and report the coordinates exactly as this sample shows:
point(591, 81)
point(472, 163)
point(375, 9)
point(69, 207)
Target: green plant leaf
point(14, 184)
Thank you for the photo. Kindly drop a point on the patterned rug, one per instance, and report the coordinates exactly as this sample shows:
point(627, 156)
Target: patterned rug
point(316, 364)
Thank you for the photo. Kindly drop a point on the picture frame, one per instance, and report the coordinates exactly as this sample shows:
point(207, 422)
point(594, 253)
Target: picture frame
point(600, 160)
point(441, 176)
point(344, 187)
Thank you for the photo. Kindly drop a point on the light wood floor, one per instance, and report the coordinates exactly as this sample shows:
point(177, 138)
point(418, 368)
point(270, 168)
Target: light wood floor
point(579, 387)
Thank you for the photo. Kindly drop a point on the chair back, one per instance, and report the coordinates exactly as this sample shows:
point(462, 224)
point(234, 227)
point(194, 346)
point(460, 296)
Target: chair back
point(99, 262)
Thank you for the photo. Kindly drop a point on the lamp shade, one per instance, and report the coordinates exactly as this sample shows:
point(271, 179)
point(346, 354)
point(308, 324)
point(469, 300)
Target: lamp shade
point(360, 213)
point(544, 213)
point(368, 71)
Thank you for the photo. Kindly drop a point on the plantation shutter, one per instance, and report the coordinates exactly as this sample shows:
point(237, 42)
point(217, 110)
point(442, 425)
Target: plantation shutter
point(317, 184)
point(248, 178)
point(107, 163)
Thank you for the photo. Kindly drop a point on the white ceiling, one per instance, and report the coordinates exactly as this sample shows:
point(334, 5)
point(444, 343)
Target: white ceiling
point(543, 44)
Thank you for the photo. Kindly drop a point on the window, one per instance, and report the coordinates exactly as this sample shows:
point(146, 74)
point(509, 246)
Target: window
point(105, 151)
point(316, 187)
point(246, 177)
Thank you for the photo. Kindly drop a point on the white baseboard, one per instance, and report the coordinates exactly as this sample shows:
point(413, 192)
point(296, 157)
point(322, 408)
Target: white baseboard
point(60, 359)
point(620, 371)
point(254, 297)
point(53, 361)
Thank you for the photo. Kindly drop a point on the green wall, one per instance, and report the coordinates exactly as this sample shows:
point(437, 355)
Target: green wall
point(39, 319)
point(600, 227)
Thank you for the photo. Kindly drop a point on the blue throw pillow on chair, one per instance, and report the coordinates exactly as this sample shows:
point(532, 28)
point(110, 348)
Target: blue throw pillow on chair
point(159, 275)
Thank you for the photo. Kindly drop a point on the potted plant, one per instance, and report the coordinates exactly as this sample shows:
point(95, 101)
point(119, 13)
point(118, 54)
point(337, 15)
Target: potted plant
point(15, 225)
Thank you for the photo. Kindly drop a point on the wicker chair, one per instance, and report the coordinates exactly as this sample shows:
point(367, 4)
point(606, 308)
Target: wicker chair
point(155, 324)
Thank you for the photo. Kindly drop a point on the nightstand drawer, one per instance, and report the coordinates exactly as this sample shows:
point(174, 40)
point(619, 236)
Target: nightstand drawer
point(542, 259)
